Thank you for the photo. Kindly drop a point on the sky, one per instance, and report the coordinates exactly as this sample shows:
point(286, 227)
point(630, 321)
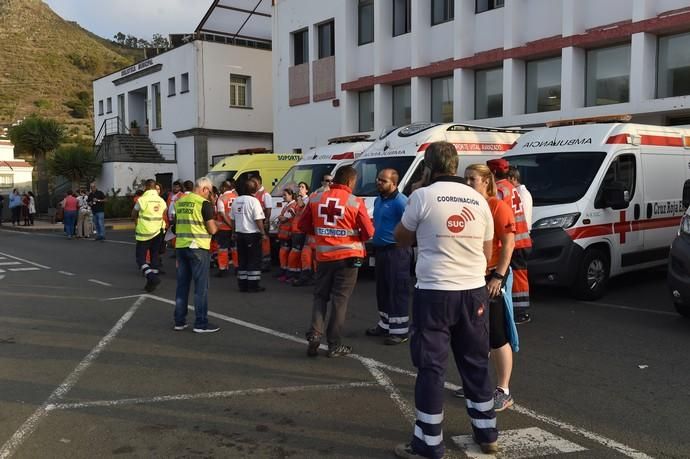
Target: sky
point(141, 18)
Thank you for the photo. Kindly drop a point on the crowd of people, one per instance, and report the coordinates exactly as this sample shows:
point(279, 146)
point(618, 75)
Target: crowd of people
point(83, 214)
point(472, 239)
point(22, 208)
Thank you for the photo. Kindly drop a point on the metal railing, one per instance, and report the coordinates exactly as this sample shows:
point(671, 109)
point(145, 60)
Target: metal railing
point(110, 126)
point(168, 151)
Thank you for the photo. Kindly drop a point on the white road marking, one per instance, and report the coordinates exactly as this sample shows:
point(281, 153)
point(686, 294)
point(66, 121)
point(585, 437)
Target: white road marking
point(207, 395)
point(30, 424)
point(9, 263)
point(606, 442)
point(520, 443)
point(383, 380)
point(628, 308)
point(24, 269)
point(129, 296)
point(66, 273)
point(25, 261)
point(96, 281)
point(2, 270)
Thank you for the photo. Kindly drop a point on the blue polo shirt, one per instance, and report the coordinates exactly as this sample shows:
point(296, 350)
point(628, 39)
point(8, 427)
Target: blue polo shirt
point(387, 214)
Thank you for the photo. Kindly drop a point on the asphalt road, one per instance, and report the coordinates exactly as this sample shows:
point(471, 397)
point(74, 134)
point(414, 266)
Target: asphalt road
point(88, 368)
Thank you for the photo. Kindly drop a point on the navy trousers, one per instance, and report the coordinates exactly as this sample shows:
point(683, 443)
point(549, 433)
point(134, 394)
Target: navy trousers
point(457, 320)
point(393, 276)
point(152, 246)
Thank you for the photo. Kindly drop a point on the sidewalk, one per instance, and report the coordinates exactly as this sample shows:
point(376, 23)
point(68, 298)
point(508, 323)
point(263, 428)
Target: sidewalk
point(45, 225)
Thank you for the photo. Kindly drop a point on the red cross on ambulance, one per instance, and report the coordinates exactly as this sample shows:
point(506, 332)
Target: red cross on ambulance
point(331, 212)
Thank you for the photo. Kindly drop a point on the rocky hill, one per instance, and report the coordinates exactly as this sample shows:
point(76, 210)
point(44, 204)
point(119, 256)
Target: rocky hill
point(47, 65)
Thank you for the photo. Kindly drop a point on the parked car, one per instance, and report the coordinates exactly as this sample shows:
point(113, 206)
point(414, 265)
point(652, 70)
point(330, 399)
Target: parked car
point(679, 261)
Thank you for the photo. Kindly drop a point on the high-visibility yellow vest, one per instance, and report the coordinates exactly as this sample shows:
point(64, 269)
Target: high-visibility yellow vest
point(150, 220)
point(189, 223)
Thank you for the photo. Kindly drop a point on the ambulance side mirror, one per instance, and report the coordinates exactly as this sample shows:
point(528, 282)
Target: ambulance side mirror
point(686, 194)
point(615, 196)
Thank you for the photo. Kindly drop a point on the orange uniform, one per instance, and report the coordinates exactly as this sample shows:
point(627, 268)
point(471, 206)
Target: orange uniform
point(225, 245)
point(504, 222)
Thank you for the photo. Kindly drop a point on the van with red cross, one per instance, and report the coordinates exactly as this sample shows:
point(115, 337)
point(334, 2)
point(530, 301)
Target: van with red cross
point(607, 198)
point(315, 164)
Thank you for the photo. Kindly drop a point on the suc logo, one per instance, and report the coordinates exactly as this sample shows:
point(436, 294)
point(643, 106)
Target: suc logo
point(457, 223)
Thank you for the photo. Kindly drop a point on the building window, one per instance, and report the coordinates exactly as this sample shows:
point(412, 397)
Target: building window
point(184, 82)
point(442, 11)
point(365, 21)
point(240, 91)
point(402, 105)
point(6, 181)
point(157, 108)
point(608, 75)
point(543, 85)
point(100, 107)
point(326, 39)
point(674, 66)
point(488, 93)
point(402, 22)
point(442, 100)
point(109, 105)
point(300, 46)
point(366, 111)
point(486, 5)
point(171, 86)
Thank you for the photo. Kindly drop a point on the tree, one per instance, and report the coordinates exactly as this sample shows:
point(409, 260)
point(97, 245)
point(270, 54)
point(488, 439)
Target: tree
point(38, 136)
point(119, 38)
point(159, 41)
point(75, 163)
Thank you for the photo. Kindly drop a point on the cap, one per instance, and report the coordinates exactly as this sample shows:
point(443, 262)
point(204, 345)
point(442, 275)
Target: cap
point(498, 165)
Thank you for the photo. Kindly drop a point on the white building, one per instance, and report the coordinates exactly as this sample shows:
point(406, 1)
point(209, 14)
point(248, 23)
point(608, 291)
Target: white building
point(346, 66)
point(14, 173)
point(208, 97)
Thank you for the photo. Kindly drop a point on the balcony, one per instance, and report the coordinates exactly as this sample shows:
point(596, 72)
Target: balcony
point(299, 84)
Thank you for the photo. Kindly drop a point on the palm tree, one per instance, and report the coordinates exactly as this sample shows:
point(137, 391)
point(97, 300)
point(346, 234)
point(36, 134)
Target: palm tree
point(38, 136)
point(75, 163)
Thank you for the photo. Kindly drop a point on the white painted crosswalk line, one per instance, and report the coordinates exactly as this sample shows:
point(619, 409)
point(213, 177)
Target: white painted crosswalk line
point(24, 269)
point(9, 263)
point(520, 444)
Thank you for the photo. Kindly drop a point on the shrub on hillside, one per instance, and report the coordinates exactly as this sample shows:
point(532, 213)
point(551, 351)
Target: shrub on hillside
point(87, 62)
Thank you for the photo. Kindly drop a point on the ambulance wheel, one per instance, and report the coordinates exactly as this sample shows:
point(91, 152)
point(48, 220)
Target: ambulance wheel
point(593, 275)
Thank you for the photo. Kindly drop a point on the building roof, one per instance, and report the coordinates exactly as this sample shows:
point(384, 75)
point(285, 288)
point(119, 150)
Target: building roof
point(14, 164)
point(243, 19)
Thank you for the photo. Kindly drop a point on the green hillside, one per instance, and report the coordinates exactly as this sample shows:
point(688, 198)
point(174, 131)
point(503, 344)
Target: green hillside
point(46, 62)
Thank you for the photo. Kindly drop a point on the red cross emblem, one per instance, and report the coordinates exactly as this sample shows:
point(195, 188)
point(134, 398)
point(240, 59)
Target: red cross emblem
point(622, 227)
point(331, 212)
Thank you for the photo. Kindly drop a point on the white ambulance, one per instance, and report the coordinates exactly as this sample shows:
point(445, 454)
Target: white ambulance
point(403, 149)
point(607, 198)
point(315, 164)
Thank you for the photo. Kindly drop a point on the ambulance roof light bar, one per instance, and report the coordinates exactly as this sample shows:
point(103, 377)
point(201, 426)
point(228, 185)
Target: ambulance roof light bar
point(250, 151)
point(590, 120)
point(473, 128)
point(350, 138)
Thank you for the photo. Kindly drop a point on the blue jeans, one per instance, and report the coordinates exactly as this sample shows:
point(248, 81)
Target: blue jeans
point(99, 223)
point(192, 264)
point(70, 220)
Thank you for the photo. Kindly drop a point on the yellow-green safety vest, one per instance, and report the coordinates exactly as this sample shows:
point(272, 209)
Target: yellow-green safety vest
point(150, 220)
point(189, 223)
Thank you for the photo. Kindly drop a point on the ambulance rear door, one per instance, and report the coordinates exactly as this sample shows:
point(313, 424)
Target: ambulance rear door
point(665, 172)
point(617, 207)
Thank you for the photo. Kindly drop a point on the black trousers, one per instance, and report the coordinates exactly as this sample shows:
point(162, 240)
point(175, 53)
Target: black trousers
point(249, 260)
point(149, 270)
point(335, 281)
point(393, 288)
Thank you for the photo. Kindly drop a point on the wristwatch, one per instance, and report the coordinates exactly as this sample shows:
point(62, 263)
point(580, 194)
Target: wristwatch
point(498, 276)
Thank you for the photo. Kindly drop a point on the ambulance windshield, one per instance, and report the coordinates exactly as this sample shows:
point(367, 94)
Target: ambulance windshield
point(368, 169)
point(218, 177)
point(557, 178)
point(311, 174)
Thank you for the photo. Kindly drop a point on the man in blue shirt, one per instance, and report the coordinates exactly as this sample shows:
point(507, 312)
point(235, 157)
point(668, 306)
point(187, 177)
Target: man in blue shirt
point(392, 263)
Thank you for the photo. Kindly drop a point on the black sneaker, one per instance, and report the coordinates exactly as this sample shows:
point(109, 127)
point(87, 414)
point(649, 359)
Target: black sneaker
point(210, 328)
point(338, 350)
point(392, 340)
point(405, 451)
point(522, 318)
point(460, 393)
point(313, 345)
point(151, 284)
point(223, 273)
point(376, 331)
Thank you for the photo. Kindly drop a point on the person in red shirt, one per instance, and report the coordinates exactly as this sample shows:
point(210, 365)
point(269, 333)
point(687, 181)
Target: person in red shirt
point(70, 205)
point(340, 224)
point(506, 191)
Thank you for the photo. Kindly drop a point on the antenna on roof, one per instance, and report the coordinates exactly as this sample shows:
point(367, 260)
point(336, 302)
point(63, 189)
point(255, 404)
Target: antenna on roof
point(590, 120)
